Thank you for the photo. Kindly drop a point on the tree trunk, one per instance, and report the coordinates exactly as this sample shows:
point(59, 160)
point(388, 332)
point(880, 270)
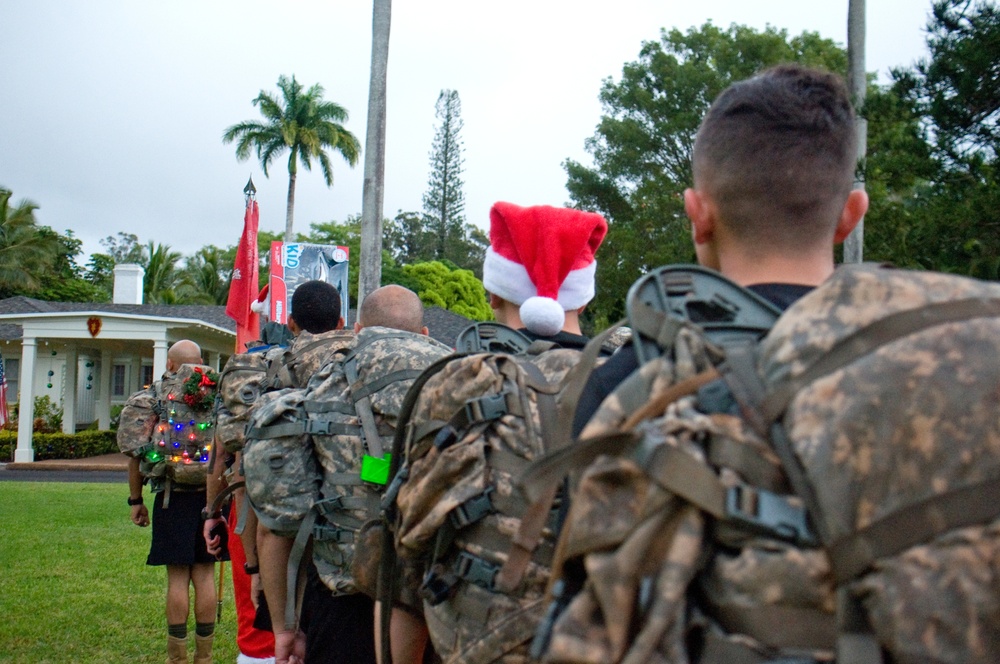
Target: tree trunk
point(370, 275)
point(857, 83)
point(290, 209)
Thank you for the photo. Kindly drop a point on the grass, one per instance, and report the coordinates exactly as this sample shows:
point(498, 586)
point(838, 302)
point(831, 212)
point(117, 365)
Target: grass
point(74, 584)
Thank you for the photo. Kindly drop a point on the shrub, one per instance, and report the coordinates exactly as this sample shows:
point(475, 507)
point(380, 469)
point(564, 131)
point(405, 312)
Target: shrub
point(62, 445)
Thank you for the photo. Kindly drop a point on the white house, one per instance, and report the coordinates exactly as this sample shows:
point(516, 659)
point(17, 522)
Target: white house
point(90, 357)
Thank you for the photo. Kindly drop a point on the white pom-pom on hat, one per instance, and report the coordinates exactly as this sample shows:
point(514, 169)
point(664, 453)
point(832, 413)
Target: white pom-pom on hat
point(545, 254)
point(542, 315)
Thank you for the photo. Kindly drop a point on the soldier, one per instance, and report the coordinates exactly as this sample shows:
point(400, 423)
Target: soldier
point(539, 269)
point(177, 543)
point(773, 173)
point(336, 626)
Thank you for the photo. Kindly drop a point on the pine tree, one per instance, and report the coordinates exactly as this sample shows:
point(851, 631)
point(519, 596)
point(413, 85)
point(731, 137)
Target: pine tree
point(444, 201)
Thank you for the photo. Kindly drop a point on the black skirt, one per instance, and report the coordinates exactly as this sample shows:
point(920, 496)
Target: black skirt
point(177, 536)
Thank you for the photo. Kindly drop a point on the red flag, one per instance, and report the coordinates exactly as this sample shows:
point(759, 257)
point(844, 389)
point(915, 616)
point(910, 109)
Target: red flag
point(243, 287)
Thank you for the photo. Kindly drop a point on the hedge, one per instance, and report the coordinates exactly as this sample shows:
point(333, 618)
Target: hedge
point(62, 445)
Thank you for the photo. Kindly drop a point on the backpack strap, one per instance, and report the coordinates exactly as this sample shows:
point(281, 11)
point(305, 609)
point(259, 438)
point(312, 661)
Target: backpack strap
point(871, 337)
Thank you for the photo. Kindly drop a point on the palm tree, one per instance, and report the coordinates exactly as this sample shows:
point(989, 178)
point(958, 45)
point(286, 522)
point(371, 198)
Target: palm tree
point(857, 82)
point(162, 276)
point(25, 252)
point(205, 279)
point(304, 124)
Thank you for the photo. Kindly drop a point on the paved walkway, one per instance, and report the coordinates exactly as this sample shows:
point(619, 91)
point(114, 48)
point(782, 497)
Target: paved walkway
point(105, 462)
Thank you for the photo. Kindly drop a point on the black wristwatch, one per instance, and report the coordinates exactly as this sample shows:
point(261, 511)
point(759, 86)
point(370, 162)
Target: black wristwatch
point(132, 502)
point(251, 570)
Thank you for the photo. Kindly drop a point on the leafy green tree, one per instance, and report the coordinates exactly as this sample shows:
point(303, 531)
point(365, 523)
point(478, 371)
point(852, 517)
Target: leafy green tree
point(26, 252)
point(642, 146)
point(941, 119)
point(301, 122)
point(66, 281)
point(206, 274)
point(451, 288)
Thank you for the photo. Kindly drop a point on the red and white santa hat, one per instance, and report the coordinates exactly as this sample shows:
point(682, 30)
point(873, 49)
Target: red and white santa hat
point(542, 258)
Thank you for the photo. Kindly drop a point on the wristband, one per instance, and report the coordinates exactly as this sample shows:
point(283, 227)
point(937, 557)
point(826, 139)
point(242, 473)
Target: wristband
point(132, 502)
point(251, 570)
point(205, 516)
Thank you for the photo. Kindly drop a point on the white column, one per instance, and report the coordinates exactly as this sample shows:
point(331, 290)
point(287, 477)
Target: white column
point(104, 401)
point(212, 359)
point(69, 391)
point(26, 401)
point(159, 358)
point(135, 371)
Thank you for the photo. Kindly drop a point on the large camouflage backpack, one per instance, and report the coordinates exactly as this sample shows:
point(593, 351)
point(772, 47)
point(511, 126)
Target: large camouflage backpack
point(472, 423)
point(169, 425)
point(247, 376)
point(831, 497)
point(324, 449)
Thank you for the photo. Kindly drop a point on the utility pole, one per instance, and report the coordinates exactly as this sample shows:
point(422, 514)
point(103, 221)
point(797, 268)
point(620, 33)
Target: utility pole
point(857, 83)
point(370, 274)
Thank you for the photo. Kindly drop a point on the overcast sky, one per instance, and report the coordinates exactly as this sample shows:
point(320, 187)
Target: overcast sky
point(111, 112)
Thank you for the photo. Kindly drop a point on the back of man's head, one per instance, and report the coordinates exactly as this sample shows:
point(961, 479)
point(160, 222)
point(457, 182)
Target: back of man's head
point(184, 351)
point(392, 306)
point(776, 153)
point(316, 307)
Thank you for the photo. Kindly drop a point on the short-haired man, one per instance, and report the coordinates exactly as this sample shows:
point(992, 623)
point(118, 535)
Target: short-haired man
point(539, 269)
point(336, 627)
point(177, 543)
point(394, 307)
point(315, 308)
point(774, 164)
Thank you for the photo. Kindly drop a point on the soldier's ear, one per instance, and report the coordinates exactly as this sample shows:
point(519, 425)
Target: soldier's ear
point(357, 327)
point(424, 331)
point(854, 210)
point(699, 210)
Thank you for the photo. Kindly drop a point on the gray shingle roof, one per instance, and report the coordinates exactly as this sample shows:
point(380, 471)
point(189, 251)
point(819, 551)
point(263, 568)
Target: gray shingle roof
point(443, 325)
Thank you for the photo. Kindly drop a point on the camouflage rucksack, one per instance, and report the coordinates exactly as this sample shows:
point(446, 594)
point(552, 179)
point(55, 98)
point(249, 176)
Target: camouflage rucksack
point(326, 458)
point(832, 496)
point(277, 453)
point(247, 376)
point(169, 425)
point(472, 423)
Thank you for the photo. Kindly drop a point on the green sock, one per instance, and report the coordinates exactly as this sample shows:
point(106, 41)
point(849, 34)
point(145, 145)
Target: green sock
point(178, 631)
point(204, 629)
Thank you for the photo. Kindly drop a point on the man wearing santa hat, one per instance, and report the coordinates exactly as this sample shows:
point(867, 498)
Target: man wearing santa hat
point(539, 269)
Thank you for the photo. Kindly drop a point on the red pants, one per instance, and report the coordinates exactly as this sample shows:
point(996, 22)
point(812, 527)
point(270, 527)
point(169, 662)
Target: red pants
point(252, 642)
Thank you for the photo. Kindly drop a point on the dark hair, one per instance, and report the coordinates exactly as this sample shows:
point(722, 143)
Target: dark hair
point(316, 307)
point(777, 154)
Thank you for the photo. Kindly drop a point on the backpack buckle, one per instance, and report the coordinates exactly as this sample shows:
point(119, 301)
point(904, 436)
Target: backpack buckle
point(438, 585)
point(486, 409)
point(767, 513)
point(472, 510)
point(476, 571)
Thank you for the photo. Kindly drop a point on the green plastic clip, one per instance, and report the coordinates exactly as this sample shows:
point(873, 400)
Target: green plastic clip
point(375, 470)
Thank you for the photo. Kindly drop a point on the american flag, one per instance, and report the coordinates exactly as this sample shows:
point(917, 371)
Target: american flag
point(4, 415)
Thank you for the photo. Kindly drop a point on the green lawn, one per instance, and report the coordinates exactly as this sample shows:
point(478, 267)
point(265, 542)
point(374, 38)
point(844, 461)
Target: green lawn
point(74, 585)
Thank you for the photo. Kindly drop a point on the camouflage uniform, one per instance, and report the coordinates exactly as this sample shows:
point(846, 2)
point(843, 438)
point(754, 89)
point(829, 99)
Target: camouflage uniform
point(875, 397)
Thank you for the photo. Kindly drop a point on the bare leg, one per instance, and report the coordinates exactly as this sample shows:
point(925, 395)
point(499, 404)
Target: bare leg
point(178, 578)
point(203, 579)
